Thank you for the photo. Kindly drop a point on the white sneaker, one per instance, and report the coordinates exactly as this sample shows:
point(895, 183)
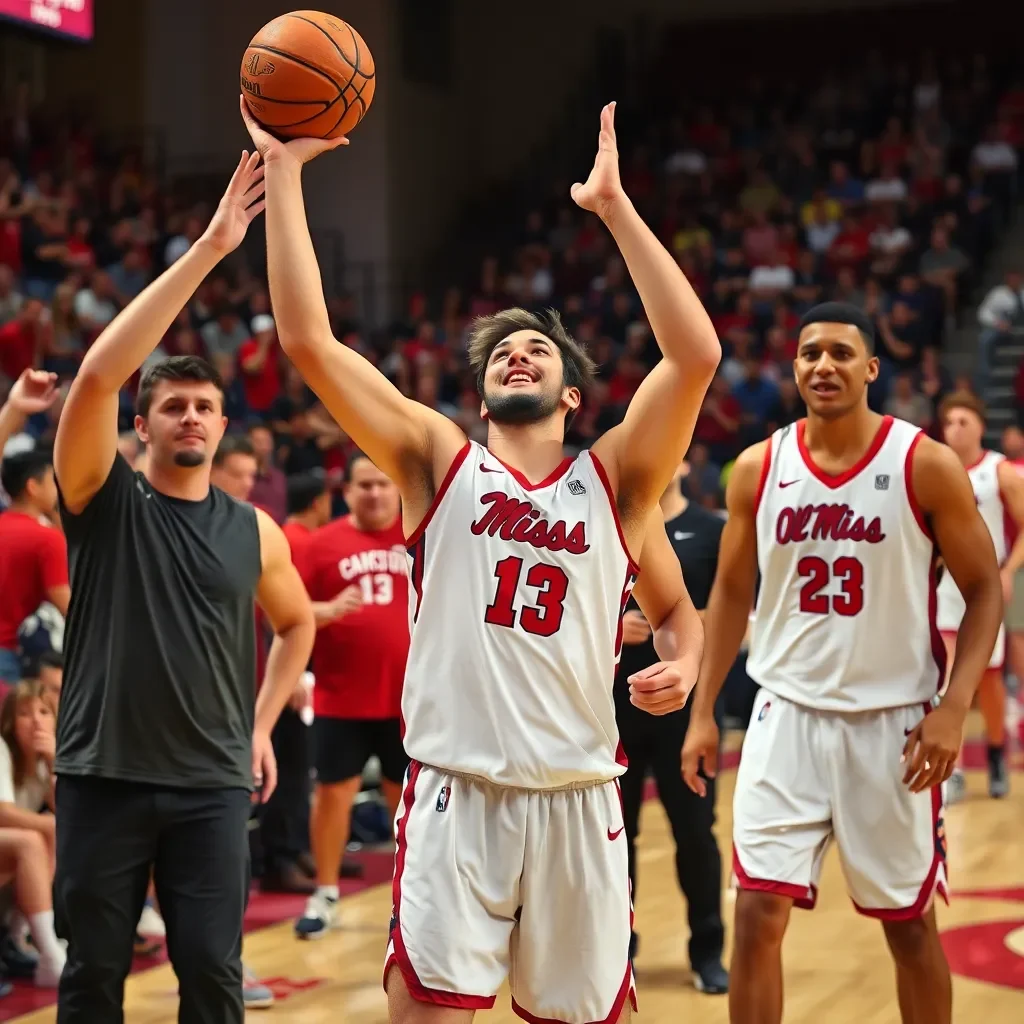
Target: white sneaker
point(320, 916)
point(151, 924)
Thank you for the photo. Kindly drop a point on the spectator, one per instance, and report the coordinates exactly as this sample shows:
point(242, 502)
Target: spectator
point(10, 298)
point(27, 833)
point(225, 335)
point(95, 306)
point(1000, 312)
point(269, 489)
point(33, 555)
point(718, 425)
point(907, 404)
point(22, 340)
point(234, 467)
point(943, 265)
point(65, 339)
point(259, 360)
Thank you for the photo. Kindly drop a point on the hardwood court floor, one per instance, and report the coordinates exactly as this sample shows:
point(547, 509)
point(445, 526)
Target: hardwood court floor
point(837, 969)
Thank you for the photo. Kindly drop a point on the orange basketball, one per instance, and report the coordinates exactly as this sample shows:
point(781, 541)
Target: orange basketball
point(308, 74)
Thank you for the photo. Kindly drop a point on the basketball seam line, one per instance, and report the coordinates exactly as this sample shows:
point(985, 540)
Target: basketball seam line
point(300, 61)
point(359, 92)
point(313, 117)
point(341, 53)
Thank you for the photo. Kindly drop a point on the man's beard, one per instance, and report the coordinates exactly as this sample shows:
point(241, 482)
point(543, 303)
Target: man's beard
point(517, 408)
point(189, 458)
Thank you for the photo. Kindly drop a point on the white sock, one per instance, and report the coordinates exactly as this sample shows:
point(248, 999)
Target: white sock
point(328, 891)
point(45, 937)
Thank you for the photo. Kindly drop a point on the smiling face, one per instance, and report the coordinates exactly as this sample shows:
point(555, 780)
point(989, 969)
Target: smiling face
point(184, 424)
point(524, 381)
point(833, 369)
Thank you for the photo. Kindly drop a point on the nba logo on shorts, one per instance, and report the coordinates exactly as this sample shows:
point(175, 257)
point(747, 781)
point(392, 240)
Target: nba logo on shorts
point(576, 487)
point(443, 797)
point(882, 482)
point(764, 711)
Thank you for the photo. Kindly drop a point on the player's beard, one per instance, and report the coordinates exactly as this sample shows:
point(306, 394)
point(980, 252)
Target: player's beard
point(189, 458)
point(517, 408)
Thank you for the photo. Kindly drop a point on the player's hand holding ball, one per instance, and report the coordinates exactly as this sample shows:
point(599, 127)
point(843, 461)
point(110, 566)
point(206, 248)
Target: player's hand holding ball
point(663, 688)
point(700, 749)
point(603, 189)
point(931, 749)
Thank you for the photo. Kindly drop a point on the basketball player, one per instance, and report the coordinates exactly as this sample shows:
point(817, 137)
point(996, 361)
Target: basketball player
point(841, 513)
point(522, 561)
point(358, 664)
point(1013, 449)
point(159, 746)
point(999, 491)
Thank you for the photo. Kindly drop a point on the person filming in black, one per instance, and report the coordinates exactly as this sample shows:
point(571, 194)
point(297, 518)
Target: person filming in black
point(654, 744)
point(161, 739)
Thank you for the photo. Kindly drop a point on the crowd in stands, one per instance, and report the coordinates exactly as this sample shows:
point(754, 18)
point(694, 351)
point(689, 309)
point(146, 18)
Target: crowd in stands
point(888, 189)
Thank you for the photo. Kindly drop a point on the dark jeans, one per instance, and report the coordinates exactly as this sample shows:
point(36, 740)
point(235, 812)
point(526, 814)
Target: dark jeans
point(283, 834)
point(109, 836)
point(655, 743)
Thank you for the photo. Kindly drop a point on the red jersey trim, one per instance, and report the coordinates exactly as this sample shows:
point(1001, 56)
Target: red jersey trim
point(908, 481)
point(977, 462)
point(559, 471)
point(457, 462)
point(766, 468)
point(603, 476)
point(834, 480)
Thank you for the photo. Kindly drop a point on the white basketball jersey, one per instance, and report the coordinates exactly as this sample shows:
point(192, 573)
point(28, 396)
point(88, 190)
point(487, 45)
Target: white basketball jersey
point(845, 612)
point(515, 610)
point(984, 477)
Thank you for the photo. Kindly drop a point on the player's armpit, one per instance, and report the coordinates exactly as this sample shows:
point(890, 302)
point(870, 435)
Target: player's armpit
point(943, 492)
point(641, 454)
point(283, 598)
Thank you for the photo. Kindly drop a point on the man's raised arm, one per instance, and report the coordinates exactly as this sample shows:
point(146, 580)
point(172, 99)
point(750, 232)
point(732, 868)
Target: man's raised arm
point(403, 438)
point(642, 453)
point(86, 440)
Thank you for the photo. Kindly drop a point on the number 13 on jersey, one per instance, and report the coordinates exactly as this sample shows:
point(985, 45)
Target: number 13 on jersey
point(543, 616)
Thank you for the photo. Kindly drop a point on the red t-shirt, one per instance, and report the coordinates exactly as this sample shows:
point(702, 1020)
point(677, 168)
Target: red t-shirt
point(33, 560)
point(263, 386)
point(359, 661)
point(17, 348)
point(298, 536)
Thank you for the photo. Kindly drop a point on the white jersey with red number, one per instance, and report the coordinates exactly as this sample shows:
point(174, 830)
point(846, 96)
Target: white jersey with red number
point(984, 476)
point(515, 607)
point(845, 612)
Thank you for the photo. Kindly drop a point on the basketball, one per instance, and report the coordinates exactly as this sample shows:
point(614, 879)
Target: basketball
point(308, 74)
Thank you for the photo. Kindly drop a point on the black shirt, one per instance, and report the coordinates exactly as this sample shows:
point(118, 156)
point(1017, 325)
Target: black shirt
point(159, 646)
point(695, 535)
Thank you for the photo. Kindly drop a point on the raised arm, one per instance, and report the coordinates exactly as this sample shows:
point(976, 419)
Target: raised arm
point(950, 511)
point(678, 634)
point(642, 453)
point(282, 596)
point(87, 432)
point(412, 444)
point(33, 392)
point(727, 613)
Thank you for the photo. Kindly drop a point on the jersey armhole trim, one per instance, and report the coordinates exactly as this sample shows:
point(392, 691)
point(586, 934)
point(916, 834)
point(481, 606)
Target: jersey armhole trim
point(908, 480)
point(766, 468)
point(603, 477)
point(413, 539)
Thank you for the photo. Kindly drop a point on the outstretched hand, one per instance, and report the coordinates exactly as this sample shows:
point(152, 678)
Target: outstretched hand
point(301, 151)
point(33, 392)
point(240, 205)
point(603, 188)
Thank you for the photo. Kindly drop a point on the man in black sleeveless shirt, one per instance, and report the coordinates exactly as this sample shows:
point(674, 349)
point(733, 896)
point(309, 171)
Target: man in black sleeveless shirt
point(160, 738)
point(656, 744)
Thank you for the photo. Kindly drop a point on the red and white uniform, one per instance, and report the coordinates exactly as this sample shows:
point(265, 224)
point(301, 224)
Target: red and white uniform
point(359, 661)
point(848, 658)
point(511, 799)
point(984, 476)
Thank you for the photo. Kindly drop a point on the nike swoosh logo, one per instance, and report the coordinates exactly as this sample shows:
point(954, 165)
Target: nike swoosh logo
point(487, 469)
point(612, 836)
point(787, 483)
point(907, 732)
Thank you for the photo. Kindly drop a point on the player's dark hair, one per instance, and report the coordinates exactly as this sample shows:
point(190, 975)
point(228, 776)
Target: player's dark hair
point(842, 313)
point(487, 332)
point(176, 368)
point(356, 455)
point(17, 470)
point(962, 400)
point(303, 490)
point(233, 444)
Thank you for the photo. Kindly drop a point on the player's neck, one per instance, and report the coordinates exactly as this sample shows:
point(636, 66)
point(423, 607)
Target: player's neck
point(972, 457)
point(535, 449)
point(673, 503)
point(845, 436)
point(186, 484)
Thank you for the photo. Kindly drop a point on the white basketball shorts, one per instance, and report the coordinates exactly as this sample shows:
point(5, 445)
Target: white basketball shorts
point(493, 882)
point(807, 777)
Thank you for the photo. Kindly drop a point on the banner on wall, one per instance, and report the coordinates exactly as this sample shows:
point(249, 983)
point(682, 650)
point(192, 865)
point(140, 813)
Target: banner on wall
point(69, 18)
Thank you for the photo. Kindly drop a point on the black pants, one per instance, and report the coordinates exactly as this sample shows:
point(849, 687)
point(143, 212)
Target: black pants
point(283, 835)
point(654, 744)
point(109, 835)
